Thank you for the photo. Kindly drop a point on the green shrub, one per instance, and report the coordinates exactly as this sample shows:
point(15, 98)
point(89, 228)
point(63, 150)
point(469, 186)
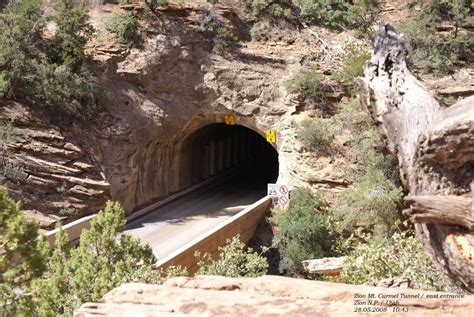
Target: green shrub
point(234, 260)
point(7, 134)
point(181, 3)
point(353, 66)
point(100, 263)
point(401, 254)
point(315, 133)
point(124, 25)
point(364, 148)
point(72, 33)
point(15, 173)
point(268, 9)
point(351, 117)
point(260, 30)
point(68, 212)
point(433, 51)
point(264, 14)
point(373, 204)
point(305, 231)
point(337, 14)
point(330, 13)
point(307, 83)
point(362, 15)
point(4, 83)
point(162, 3)
point(51, 74)
point(22, 258)
point(22, 24)
point(223, 39)
point(154, 3)
point(60, 88)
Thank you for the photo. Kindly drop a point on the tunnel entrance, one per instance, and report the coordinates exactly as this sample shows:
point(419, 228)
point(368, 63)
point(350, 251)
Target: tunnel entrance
point(218, 149)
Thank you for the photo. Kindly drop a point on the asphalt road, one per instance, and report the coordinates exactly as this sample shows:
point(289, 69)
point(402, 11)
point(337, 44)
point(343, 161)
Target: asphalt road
point(179, 222)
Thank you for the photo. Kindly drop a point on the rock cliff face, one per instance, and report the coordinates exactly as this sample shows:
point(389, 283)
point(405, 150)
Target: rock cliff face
point(160, 91)
point(49, 171)
point(159, 94)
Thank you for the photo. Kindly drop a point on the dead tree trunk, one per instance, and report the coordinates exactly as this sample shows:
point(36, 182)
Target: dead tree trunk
point(435, 149)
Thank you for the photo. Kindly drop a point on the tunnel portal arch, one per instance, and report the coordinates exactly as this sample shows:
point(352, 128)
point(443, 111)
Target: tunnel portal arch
point(216, 148)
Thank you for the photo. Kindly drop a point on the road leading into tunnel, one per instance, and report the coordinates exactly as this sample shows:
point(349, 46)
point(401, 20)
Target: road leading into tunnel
point(173, 225)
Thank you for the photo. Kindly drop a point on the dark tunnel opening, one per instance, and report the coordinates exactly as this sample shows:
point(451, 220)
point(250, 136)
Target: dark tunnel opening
point(219, 148)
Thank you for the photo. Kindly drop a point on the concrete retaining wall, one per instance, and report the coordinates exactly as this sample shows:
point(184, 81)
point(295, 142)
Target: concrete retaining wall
point(243, 223)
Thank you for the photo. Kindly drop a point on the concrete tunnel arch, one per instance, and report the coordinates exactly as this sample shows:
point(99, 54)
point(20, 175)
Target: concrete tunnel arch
point(217, 148)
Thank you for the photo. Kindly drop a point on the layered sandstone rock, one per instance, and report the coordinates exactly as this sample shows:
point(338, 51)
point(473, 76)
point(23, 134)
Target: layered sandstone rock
point(49, 171)
point(271, 296)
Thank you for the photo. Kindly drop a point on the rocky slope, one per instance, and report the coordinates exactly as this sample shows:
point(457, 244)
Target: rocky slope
point(47, 169)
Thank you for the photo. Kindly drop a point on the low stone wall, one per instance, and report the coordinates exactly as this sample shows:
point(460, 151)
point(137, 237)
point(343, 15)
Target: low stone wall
point(73, 230)
point(244, 223)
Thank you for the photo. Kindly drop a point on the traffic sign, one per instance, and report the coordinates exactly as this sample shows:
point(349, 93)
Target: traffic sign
point(280, 191)
point(283, 190)
point(271, 136)
point(229, 119)
point(283, 200)
point(272, 190)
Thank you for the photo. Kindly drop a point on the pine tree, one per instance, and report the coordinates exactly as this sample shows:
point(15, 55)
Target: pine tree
point(73, 32)
point(97, 265)
point(22, 23)
point(48, 72)
point(22, 258)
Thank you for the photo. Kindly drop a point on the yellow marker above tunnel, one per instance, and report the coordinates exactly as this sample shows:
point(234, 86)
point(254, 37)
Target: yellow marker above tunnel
point(271, 136)
point(229, 119)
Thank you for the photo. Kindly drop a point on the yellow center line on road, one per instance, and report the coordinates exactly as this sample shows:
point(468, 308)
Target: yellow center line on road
point(169, 231)
point(185, 222)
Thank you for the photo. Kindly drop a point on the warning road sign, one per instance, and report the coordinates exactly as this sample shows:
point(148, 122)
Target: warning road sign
point(229, 119)
point(271, 136)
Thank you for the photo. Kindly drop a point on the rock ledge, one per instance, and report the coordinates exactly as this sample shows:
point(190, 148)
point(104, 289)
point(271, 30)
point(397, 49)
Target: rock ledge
point(269, 296)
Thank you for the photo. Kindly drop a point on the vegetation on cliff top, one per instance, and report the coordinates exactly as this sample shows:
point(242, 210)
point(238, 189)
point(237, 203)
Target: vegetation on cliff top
point(49, 72)
point(435, 51)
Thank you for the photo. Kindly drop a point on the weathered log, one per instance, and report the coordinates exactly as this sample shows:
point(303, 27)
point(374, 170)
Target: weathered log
point(330, 266)
point(435, 149)
point(449, 210)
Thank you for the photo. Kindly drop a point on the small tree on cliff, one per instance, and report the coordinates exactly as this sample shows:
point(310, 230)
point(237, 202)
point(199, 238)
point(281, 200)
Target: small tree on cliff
point(48, 72)
point(100, 263)
point(22, 258)
point(21, 23)
point(73, 32)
